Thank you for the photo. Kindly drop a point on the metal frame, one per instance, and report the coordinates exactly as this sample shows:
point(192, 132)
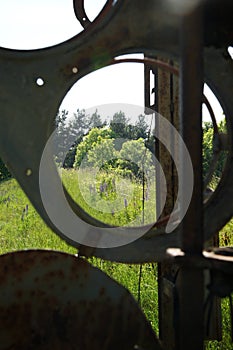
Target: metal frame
point(34, 107)
point(33, 84)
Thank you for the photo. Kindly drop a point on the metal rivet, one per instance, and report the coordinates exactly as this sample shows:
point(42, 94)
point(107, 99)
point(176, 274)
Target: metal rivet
point(75, 70)
point(28, 172)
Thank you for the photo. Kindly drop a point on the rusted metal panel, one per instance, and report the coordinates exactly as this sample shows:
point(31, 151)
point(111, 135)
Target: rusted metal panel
point(51, 300)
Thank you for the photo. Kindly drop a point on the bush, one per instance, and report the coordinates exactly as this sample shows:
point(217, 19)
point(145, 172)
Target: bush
point(4, 172)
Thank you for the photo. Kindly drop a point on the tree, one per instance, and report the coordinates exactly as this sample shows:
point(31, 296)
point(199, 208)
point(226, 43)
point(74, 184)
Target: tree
point(208, 148)
point(77, 128)
point(102, 154)
point(95, 121)
point(139, 130)
point(61, 136)
point(69, 134)
point(136, 157)
point(142, 127)
point(79, 124)
point(89, 141)
point(61, 117)
point(118, 124)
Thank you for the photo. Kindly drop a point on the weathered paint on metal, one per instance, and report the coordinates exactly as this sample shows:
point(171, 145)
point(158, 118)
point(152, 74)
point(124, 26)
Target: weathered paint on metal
point(51, 300)
point(26, 105)
point(167, 106)
point(190, 281)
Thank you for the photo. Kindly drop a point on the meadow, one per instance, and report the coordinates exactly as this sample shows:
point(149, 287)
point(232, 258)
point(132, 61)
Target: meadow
point(22, 228)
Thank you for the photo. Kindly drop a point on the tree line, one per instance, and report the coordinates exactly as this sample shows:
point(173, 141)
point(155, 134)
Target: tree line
point(90, 129)
point(95, 139)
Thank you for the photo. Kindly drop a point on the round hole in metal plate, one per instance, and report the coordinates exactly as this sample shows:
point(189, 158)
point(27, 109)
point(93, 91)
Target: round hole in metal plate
point(26, 25)
point(40, 81)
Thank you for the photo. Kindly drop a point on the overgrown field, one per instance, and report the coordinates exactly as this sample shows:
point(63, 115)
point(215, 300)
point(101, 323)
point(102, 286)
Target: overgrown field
point(22, 228)
point(110, 198)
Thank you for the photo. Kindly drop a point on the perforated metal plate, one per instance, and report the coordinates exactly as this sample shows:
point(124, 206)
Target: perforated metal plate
point(28, 106)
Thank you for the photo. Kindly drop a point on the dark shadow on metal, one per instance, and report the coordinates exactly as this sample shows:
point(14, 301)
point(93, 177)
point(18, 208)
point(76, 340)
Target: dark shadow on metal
point(51, 300)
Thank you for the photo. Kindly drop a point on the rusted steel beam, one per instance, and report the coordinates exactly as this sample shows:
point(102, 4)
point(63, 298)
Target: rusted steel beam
point(165, 100)
point(190, 280)
point(217, 259)
point(191, 82)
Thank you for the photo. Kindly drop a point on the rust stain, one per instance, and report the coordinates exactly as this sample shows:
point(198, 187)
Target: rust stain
point(61, 301)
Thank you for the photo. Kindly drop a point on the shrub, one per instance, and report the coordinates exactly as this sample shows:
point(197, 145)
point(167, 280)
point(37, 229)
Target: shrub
point(4, 172)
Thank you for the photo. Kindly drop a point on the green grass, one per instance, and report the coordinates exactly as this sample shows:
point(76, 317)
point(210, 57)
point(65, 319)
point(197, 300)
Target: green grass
point(120, 204)
point(22, 228)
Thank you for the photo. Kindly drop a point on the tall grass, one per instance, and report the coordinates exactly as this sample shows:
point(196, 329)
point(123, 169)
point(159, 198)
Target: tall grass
point(110, 198)
point(20, 225)
point(22, 228)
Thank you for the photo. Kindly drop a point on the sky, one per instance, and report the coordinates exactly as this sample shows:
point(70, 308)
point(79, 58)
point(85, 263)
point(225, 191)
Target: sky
point(27, 24)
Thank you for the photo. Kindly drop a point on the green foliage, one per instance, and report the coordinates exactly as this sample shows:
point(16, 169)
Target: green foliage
point(95, 121)
point(100, 150)
point(137, 157)
point(209, 142)
point(122, 168)
point(4, 172)
point(21, 229)
point(123, 129)
point(31, 233)
point(128, 275)
point(94, 137)
point(225, 239)
point(20, 225)
point(70, 132)
point(101, 153)
point(106, 185)
point(118, 124)
point(141, 127)
point(109, 197)
point(207, 152)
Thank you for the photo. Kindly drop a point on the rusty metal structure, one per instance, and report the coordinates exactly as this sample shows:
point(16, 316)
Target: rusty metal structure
point(45, 296)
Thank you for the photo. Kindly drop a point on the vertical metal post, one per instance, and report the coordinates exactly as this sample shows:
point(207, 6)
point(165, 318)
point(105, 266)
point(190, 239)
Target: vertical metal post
point(191, 82)
point(191, 280)
point(166, 92)
point(166, 83)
